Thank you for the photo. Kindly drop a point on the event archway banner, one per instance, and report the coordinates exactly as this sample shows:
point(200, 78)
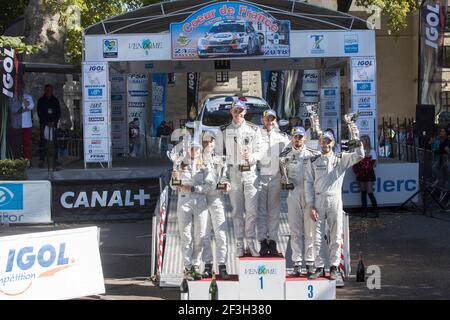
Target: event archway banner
point(230, 29)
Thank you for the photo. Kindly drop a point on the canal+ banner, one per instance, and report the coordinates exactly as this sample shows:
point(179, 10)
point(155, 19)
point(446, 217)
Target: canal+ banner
point(230, 29)
point(51, 265)
point(25, 202)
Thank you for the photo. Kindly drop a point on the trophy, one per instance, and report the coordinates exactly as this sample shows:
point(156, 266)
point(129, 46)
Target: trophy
point(243, 143)
point(315, 121)
point(219, 161)
point(177, 155)
point(350, 120)
point(284, 163)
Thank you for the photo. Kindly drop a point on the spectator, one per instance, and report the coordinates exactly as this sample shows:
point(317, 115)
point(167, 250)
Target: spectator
point(49, 113)
point(21, 119)
point(365, 175)
point(164, 131)
point(135, 142)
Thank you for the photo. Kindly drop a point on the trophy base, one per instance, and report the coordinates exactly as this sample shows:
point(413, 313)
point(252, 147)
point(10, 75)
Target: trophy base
point(244, 167)
point(221, 186)
point(353, 143)
point(287, 186)
point(176, 182)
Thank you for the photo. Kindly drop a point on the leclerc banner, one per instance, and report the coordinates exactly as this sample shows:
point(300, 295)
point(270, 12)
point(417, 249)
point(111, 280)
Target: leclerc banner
point(230, 29)
point(51, 265)
point(25, 202)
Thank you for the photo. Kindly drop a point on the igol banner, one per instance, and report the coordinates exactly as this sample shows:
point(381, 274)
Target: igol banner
point(192, 95)
point(432, 23)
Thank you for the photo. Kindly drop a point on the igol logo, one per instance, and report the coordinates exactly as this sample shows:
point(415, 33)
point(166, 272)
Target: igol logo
point(11, 197)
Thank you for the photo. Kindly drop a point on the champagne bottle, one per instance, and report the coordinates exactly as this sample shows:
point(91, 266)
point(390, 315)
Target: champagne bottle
point(184, 290)
point(213, 289)
point(360, 271)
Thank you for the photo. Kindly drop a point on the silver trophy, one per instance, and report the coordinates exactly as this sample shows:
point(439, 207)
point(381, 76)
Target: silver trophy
point(177, 154)
point(284, 163)
point(350, 120)
point(315, 121)
point(243, 143)
point(219, 162)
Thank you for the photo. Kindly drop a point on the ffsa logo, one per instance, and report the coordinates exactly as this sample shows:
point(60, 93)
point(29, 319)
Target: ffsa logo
point(11, 196)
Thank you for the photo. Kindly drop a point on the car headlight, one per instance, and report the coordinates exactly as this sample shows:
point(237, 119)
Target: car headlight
point(203, 42)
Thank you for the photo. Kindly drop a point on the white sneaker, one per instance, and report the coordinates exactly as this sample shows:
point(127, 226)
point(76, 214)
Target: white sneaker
point(240, 249)
point(251, 249)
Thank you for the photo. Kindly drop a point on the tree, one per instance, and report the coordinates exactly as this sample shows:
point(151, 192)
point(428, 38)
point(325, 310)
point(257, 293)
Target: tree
point(396, 11)
point(10, 10)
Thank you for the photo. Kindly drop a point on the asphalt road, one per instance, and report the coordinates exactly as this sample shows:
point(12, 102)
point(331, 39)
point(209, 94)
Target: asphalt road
point(412, 252)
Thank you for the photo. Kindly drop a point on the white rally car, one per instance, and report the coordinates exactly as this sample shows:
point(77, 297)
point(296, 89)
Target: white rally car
point(230, 38)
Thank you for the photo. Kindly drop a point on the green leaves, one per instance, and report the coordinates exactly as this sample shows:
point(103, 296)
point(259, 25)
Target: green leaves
point(395, 11)
point(17, 44)
point(13, 169)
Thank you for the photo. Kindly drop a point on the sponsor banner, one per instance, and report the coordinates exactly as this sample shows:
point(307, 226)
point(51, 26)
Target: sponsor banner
point(395, 183)
point(365, 103)
point(51, 265)
point(119, 117)
point(127, 47)
point(192, 95)
point(366, 126)
point(105, 197)
point(96, 146)
point(276, 83)
point(432, 28)
point(95, 105)
point(138, 101)
point(96, 130)
point(96, 109)
point(159, 92)
point(230, 29)
point(90, 157)
point(330, 99)
point(330, 122)
point(310, 86)
point(333, 44)
point(363, 76)
point(95, 81)
point(25, 202)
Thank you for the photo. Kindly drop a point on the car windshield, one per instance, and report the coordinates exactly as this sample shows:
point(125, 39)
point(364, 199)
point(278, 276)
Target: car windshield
point(227, 28)
point(220, 117)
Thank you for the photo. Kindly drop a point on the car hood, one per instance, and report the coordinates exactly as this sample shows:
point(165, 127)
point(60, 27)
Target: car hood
point(224, 36)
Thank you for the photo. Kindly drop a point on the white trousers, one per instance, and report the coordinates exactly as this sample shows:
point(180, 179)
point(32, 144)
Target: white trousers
point(215, 223)
point(268, 222)
point(192, 213)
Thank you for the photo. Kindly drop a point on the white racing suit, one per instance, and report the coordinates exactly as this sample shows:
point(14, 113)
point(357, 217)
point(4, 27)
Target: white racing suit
point(244, 185)
point(216, 217)
point(324, 176)
point(301, 225)
point(192, 213)
point(272, 143)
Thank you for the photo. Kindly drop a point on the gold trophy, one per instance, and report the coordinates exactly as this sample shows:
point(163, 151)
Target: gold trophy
point(243, 146)
point(350, 120)
point(315, 121)
point(284, 163)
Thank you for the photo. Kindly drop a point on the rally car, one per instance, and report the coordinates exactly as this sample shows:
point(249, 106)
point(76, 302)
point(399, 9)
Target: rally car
point(230, 38)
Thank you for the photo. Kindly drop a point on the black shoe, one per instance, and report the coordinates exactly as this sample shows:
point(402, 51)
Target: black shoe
point(297, 271)
point(264, 251)
point(207, 273)
point(333, 273)
point(273, 248)
point(320, 272)
point(195, 273)
point(309, 270)
point(223, 274)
